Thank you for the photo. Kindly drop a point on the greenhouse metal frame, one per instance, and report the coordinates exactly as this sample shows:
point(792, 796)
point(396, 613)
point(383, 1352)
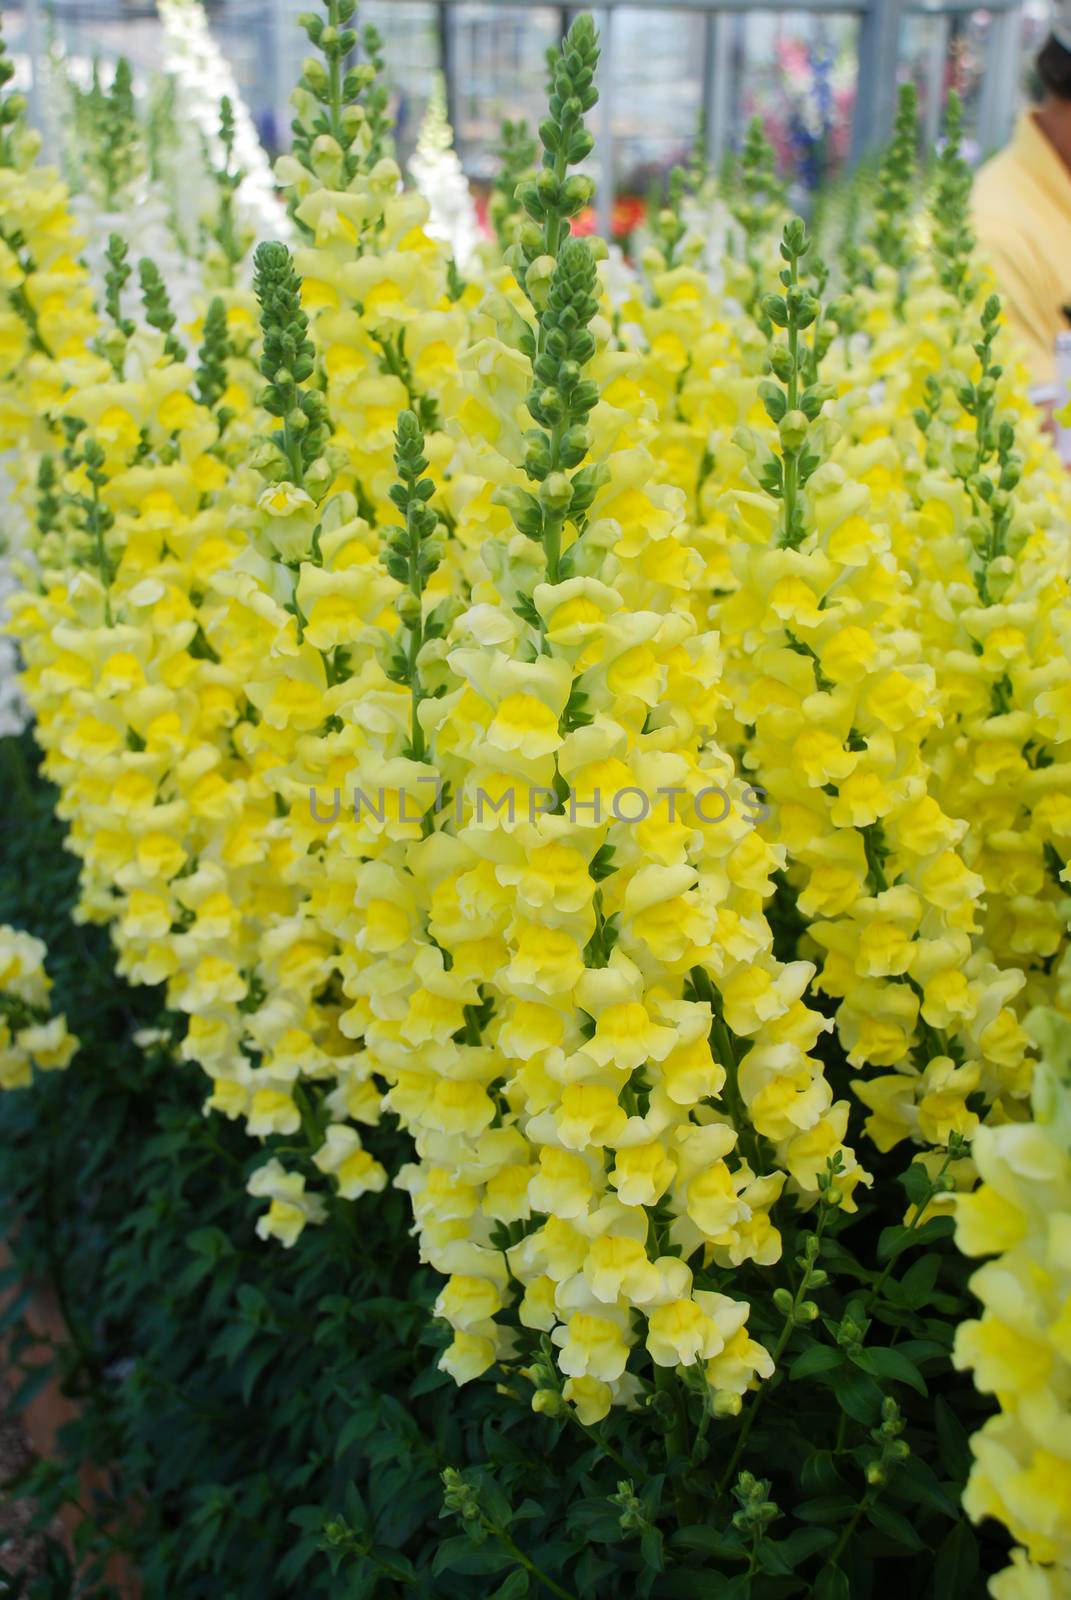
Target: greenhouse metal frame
point(878, 42)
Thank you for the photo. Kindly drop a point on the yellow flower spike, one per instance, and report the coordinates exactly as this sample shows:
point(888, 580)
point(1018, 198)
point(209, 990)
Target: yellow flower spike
point(30, 1035)
point(1018, 1348)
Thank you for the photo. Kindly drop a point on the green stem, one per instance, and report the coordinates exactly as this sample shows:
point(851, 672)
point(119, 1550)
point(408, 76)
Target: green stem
point(749, 1140)
point(753, 1411)
point(849, 1528)
point(334, 78)
point(309, 1123)
point(725, 1049)
point(791, 484)
point(599, 1442)
point(554, 221)
point(416, 640)
point(519, 1556)
point(776, 1354)
point(677, 1446)
point(101, 553)
point(292, 452)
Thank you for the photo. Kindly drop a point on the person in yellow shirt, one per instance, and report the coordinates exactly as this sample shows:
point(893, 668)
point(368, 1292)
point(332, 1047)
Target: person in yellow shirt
point(1022, 211)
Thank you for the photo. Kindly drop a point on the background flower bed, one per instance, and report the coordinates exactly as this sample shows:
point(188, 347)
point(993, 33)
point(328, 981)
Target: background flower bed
point(273, 1422)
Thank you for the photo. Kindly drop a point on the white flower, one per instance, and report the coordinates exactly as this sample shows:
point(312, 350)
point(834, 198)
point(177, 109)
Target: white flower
point(14, 712)
point(203, 77)
point(437, 173)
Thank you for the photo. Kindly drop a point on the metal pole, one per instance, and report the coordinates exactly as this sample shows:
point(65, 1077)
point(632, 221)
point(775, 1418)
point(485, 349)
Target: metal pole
point(605, 193)
point(280, 31)
point(936, 66)
point(875, 98)
point(716, 85)
point(32, 19)
point(997, 108)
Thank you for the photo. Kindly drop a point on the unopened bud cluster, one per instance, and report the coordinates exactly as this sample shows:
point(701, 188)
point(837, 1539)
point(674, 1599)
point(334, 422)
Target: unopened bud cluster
point(288, 362)
point(342, 124)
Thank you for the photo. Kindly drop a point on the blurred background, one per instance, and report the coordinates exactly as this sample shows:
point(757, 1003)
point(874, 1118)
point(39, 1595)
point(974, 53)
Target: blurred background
point(821, 76)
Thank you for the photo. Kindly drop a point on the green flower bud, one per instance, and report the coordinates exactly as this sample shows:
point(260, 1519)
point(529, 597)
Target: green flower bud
point(549, 1403)
point(551, 405)
point(314, 74)
point(407, 605)
point(792, 431)
point(577, 192)
point(557, 492)
point(547, 187)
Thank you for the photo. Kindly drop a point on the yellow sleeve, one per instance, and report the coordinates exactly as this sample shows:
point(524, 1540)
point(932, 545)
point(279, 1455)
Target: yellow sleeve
point(1025, 304)
point(1005, 234)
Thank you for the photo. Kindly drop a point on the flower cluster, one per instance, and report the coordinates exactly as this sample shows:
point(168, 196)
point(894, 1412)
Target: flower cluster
point(30, 1036)
point(694, 668)
point(888, 558)
point(1018, 1349)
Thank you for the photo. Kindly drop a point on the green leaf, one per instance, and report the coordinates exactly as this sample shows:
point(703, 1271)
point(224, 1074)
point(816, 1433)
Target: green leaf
point(706, 1586)
point(920, 1350)
point(494, 1503)
point(953, 1442)
point(956, 1567)
point(819, 1358)
point(894, 1527)
point(917, 1183)
point(918, 1482)
point(826, 1508)
point(356, 1427)
point(461, 1555)
point(918, 1281)
point(651, 1550)
point(821, 1475)
point(831, 1584)
point(800, 1545)
point(738, 1588)
point(892, 1365)
point(514, 1588)
point(597, 1520)
point(527, 1510)
point(31, 1386)
point(726, 1546)
point(858, 1395)
point(893, 1241)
